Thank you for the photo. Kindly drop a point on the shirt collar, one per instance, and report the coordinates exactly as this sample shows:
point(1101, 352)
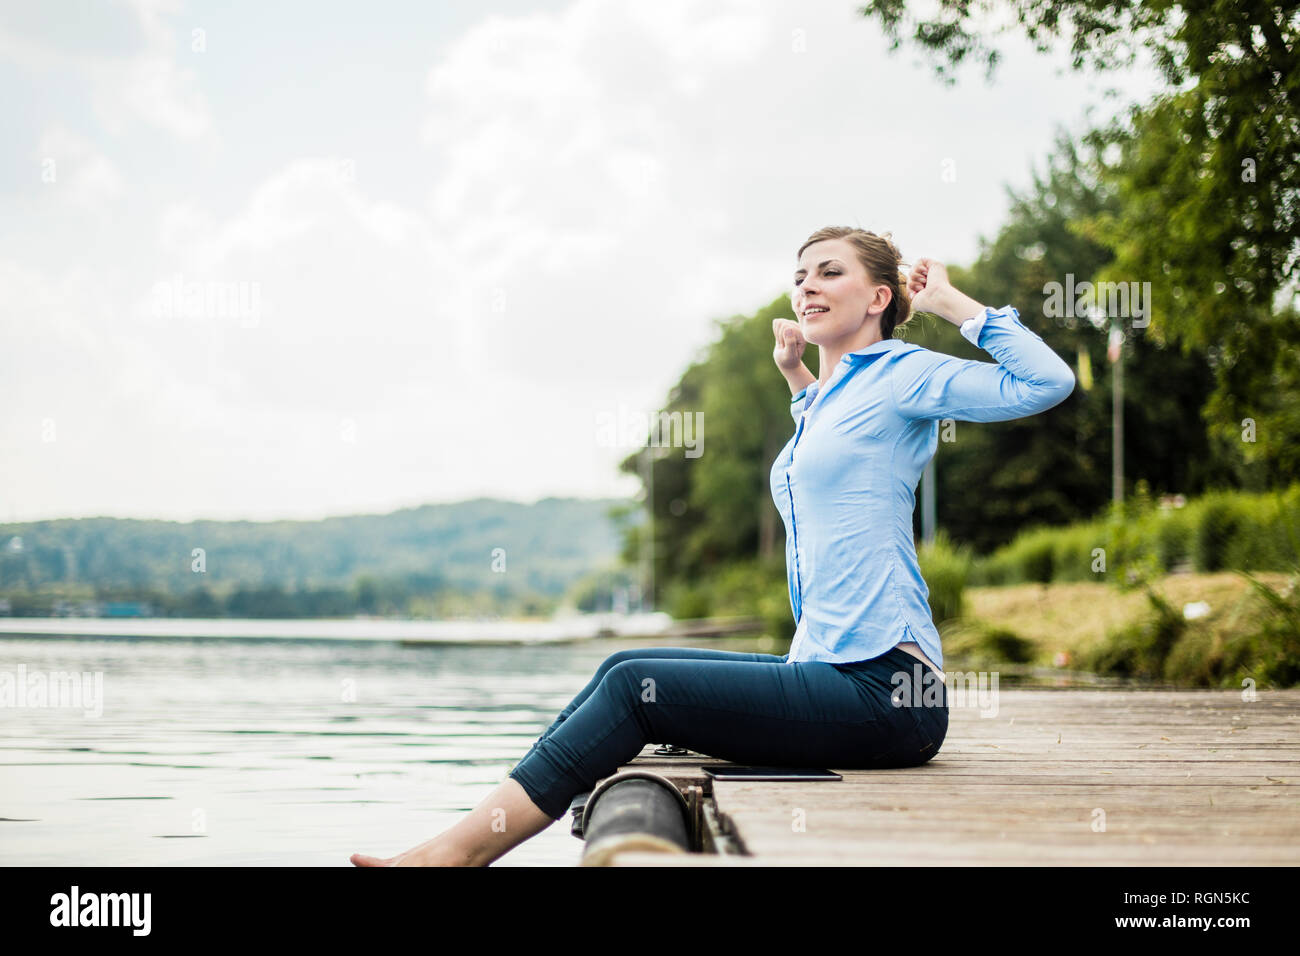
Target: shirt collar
point(884, 345)
point(856, 357)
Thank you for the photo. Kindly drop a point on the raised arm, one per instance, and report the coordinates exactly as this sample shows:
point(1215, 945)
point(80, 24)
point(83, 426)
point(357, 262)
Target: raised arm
point(1028, 378)
point(788, 355)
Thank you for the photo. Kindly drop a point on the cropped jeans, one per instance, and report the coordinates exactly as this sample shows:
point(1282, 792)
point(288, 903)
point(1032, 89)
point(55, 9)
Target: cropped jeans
point(745, 708)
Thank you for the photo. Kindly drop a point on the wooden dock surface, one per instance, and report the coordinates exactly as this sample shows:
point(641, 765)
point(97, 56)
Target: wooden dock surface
point(1056, 777)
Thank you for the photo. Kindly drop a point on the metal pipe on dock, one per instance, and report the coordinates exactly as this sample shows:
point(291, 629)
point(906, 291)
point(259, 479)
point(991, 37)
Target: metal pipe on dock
point(635, 810)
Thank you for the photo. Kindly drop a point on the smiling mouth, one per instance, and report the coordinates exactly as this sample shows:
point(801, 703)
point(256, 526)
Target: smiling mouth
point(809, 314)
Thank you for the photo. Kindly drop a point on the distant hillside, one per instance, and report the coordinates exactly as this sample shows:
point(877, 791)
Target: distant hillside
point(433, 549)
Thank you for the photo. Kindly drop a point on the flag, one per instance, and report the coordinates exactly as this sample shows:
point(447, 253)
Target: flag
point(1085, 368)
point(1116, 340)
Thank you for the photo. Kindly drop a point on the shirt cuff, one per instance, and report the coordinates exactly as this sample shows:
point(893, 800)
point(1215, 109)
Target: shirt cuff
point(972, 327)
point(796, 405)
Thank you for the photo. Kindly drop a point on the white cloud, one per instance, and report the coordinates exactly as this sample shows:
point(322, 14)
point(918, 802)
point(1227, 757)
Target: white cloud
point(152, 87)
point(565, 162)
point(147, 84)
point(77, 171)
point(597, 186)
point(338, 375)
point(633, 170)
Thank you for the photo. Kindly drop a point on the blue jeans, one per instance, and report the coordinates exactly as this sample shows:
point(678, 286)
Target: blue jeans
point(753, 709)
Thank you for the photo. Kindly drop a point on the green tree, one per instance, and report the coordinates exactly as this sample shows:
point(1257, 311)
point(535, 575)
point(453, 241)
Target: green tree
point(1207, 182)
point(717, 507)
point(997, 478)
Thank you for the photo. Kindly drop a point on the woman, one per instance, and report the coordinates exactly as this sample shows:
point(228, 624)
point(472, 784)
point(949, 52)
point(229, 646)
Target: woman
point(862, 685)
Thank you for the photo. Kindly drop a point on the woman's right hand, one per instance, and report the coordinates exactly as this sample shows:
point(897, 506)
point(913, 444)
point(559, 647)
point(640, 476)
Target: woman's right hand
point(790, 343)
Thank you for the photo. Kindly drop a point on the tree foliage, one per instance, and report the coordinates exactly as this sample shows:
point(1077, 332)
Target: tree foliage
point(1206, 179)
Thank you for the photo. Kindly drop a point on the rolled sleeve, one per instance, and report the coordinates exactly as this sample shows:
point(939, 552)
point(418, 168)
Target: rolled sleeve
point(796, 404)
point(1028, 377)
point(971, 328)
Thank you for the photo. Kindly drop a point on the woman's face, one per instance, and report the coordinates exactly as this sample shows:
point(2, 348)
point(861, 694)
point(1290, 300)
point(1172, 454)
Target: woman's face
point(830, 277)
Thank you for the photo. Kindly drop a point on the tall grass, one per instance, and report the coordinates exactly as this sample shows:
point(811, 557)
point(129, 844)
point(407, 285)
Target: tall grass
point(1224, 530)
point(945, 569)
point(759, 588)
point(754, 588)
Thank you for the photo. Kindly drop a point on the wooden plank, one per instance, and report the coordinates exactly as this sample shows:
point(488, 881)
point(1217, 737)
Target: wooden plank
point(959, 800)
point(1184, 778)
point(981, 854)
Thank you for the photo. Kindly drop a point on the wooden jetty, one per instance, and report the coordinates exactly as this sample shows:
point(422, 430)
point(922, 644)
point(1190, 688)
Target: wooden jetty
point(1055, 777)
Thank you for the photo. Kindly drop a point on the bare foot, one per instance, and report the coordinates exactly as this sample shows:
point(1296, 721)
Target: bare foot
point(429, 853)
point(479, 838)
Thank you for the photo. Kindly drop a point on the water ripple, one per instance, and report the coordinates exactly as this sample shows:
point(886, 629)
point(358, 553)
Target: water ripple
point(203, 739)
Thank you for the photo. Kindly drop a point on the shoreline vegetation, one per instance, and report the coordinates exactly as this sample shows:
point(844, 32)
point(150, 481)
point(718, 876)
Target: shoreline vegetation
point(1183, 629)
point(1199, 593)
point(1214, 630)
point(1195, 593)
point(468, 559)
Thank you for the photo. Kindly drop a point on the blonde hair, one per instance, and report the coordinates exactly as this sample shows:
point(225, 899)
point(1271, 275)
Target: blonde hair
point(883, 262)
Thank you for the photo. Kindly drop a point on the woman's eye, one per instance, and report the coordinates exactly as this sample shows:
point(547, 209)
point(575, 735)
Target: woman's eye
point(828, 272)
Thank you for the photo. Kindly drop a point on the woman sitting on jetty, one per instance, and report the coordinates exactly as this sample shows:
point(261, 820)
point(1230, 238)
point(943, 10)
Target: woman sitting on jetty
point(845, 695)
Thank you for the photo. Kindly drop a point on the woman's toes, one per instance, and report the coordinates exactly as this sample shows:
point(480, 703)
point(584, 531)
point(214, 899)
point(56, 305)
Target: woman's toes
point(360, 859)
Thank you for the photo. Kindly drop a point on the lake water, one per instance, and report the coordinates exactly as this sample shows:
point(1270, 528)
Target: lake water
point(243, 751)
point(246, 752)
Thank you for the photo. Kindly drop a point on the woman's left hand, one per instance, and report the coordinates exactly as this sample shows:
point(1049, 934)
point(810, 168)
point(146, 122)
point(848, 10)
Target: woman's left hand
point(927, 283)
point(931, 292)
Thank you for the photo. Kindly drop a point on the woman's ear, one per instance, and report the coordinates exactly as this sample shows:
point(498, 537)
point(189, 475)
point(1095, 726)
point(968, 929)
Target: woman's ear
point(880, 301)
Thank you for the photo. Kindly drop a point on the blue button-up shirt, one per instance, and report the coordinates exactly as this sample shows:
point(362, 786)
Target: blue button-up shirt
point(845, 483)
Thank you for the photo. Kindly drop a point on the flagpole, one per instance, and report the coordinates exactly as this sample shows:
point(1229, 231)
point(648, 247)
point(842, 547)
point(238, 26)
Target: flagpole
point(1116, 355)
point(645, 600)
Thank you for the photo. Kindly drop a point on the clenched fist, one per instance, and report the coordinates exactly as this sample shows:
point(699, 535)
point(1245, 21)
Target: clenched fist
point(790, 343)
point(933, 292)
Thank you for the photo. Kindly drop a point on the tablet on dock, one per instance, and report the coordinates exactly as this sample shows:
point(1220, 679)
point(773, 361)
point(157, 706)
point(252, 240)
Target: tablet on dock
point(722, 772)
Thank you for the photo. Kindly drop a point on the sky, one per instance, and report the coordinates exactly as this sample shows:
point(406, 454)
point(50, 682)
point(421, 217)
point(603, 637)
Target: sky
point(295, 260)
